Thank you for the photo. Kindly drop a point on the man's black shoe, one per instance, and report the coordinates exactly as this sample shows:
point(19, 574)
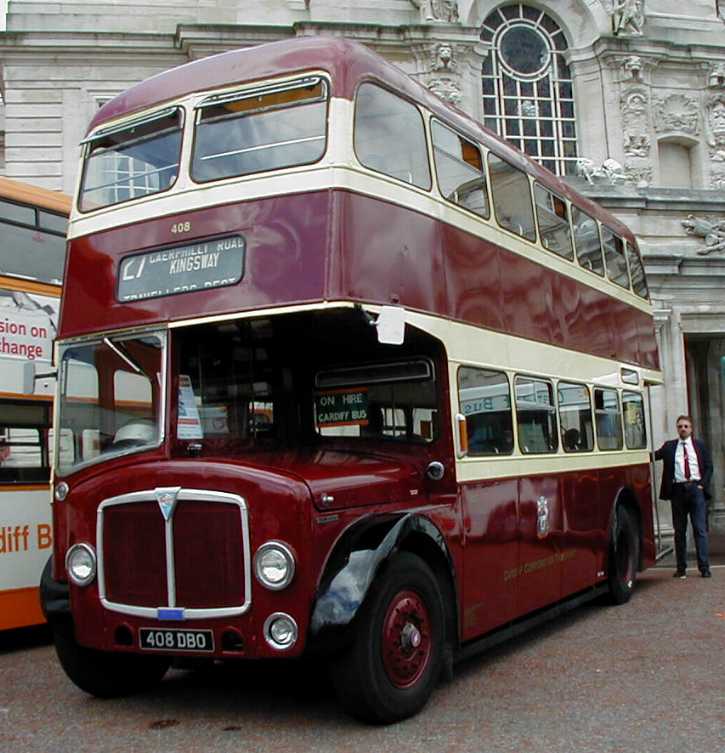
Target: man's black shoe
point(682, 574)
point(706, 574)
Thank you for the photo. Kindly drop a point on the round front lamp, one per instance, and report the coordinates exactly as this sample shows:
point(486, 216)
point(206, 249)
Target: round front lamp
point(61, 491)
point(280, 631)
point(274, 565)
point(80, 563)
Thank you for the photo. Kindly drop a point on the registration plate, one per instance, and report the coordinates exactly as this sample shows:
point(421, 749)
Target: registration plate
point(176, 640)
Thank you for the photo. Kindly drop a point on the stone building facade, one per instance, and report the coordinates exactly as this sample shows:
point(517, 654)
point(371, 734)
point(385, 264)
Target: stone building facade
point(624, 97)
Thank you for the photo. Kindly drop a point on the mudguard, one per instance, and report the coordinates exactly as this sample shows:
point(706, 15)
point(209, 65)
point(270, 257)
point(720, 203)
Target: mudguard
point(54, 596)
point(353, 566)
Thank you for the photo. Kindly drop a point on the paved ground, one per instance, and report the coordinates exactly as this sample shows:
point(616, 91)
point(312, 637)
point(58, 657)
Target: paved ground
point(646, 677)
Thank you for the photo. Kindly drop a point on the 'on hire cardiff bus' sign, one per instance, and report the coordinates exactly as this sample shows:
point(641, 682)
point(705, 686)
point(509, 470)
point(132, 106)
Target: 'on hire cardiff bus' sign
point(181, 269)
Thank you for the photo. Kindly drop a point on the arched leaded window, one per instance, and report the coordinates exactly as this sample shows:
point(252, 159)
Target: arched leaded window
point(527, 91)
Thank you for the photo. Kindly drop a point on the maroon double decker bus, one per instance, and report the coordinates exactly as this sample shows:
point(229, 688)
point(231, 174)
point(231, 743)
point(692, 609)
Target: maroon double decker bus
point(340, 374)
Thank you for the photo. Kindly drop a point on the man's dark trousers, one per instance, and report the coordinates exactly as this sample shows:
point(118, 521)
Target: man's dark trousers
point(688, 498)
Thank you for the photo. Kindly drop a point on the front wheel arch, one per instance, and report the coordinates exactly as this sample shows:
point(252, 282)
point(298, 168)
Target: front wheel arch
point(360, 557)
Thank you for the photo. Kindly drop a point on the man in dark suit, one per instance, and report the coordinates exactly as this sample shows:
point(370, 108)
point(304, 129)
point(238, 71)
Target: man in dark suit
point(686, 476)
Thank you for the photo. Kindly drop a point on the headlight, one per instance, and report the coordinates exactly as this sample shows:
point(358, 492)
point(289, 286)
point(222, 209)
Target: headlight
point(280, 631)
point(61, 491)
point(80, 562)
point(274, 565)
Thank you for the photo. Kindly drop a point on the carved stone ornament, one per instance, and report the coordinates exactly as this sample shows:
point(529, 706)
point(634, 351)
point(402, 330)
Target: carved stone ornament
point(628, 17)
point(447, 89)
point(610, 170)
point(443, 57)
point(715, 119)
point(717, 181)
point(632, 67)
point(441, 11)
point(637, 144)
point(639, 174)
point(712, 232)
point(634, 103)
point(716, 76)
point(677, 112)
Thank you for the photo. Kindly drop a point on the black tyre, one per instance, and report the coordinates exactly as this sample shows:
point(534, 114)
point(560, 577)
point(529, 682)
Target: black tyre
point(623, 555)
point(102, 674)
point(394, 662)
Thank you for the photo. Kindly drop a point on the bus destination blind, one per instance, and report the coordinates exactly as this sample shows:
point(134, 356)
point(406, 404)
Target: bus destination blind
point(181, 269)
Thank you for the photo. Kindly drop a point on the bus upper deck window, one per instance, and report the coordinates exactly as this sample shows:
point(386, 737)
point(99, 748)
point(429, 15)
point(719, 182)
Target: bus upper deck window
point(459, 168)
point(587, 242)
point(553, 216)
point(132, 160)
point(390, 137)
point(614, 257)
point(266, 128)
point(636, 270)
point(511, 198)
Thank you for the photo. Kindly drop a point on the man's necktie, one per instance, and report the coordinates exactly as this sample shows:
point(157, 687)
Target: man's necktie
point(687, 461)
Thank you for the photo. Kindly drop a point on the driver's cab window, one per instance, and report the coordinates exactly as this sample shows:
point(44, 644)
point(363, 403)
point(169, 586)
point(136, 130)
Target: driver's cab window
point(385, 401)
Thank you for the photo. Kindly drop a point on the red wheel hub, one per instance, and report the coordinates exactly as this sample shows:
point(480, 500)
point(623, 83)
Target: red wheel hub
point(406, 643)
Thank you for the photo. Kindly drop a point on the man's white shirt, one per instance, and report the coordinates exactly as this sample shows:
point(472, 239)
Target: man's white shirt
point(695, 474)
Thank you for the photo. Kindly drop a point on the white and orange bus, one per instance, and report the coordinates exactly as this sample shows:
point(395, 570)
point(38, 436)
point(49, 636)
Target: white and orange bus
point(32, 253)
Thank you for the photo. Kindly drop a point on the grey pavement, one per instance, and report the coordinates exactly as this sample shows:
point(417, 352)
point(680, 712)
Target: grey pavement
point(648, 677)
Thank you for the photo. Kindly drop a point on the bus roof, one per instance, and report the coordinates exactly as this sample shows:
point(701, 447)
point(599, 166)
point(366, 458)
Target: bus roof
point(348, 63)
point(25, 193)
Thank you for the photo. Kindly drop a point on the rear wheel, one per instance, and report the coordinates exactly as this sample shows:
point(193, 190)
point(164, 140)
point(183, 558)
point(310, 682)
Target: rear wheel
point(623, 555)
point(103, 674)
point(394, 663)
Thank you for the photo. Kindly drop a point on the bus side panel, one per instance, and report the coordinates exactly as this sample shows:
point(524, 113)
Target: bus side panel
point(567, 310)
point(592, 331)
point(528, 305)
point(581, 539)
point(25, 545)
point(625, 327)
point(473, 279)
point(649, 355)
point(638, 479)
point(539, 574)
point(390, 255)
point(490, 555)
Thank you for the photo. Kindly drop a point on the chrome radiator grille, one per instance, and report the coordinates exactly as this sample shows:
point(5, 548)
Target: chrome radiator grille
point(174, 553)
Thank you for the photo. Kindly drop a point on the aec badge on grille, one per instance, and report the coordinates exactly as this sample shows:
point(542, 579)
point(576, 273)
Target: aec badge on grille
point(166, 497)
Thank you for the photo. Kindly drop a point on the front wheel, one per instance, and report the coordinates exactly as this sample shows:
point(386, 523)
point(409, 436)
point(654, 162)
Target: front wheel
point(103, 674)
point(623, 556)
point(393, 665)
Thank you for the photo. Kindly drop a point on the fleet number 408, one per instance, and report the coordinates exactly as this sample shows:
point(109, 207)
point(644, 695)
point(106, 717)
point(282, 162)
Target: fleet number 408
point(181, 227)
